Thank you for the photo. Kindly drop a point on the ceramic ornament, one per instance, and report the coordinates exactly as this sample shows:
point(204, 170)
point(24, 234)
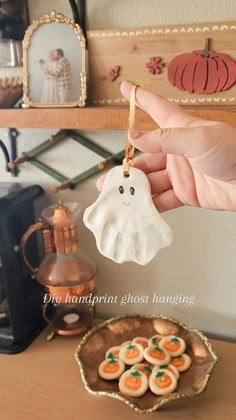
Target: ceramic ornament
point(124, 219)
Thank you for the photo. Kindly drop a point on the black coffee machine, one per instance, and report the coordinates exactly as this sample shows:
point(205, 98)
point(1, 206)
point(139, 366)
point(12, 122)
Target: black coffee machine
point(20, 296)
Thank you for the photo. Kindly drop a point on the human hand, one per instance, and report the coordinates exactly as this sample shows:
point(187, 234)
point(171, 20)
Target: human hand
point(188, 161)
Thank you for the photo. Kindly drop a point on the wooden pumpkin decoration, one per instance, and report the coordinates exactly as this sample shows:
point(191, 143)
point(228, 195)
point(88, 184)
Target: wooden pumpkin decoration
point(202, 71)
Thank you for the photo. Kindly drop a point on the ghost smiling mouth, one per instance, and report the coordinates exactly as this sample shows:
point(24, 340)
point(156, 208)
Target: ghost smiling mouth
point(126, 204)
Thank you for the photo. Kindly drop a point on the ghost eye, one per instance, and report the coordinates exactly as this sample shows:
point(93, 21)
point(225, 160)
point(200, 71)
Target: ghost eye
point(121, 189)
point(132, 190)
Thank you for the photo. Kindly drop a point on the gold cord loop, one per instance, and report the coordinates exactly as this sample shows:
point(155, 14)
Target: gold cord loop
point(129, 149)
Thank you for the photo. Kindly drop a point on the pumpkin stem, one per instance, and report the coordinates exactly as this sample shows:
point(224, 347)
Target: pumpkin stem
point(206, 48)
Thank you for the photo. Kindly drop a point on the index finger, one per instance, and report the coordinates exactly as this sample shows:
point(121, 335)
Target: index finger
point(164, 112)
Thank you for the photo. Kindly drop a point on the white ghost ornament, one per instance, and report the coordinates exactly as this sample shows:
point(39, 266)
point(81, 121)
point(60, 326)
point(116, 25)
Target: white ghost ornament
point(124, 220)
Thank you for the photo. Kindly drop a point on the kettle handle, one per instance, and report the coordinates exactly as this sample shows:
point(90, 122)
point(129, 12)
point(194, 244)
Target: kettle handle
point(40, 225)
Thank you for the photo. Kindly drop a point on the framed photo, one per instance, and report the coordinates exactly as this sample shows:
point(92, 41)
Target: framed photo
point(54, 71)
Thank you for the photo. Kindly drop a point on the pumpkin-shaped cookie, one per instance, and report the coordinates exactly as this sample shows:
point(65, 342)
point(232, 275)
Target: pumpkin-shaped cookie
point(111, 369)
point(156, 356)
point(182, 363)
point(174, 345)
point(133, 383)
point(155, 340)
point(169, 367)
point(131, 354)
point(144, 368)
point(162, 382)
point(141, 340)
point(112, 352)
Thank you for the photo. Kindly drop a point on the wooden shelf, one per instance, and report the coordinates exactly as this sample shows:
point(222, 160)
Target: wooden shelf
point(99, 118)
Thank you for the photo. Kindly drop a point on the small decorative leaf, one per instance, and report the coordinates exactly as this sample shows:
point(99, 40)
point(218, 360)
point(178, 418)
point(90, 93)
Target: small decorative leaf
point(148, 369)
point(112, 361)
point(157, 348)
point(135, 373)
point(114, 73)
point(131, 347)
point(159, 374)
point(110, 356)
point(164, 366)
point(175, 340)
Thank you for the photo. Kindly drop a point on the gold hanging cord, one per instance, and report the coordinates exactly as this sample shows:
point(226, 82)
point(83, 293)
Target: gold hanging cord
point(129, 149)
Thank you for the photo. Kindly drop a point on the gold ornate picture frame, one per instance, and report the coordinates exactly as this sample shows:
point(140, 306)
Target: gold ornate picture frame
point(54, 63)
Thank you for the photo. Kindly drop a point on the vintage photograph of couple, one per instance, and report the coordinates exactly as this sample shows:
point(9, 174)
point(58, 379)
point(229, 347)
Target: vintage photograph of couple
point(57, 78)
point(54, 65)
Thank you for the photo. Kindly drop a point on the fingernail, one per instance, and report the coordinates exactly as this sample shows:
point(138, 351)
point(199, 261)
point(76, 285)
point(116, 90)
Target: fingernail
point(134, 134)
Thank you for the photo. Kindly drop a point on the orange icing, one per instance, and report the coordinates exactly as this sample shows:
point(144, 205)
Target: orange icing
point(133, 382)
point(111, 367)
point(157, 354)
point(179, 361)
point(132, 353)
point(115, 353)
point(171, 345)
point(163, 381)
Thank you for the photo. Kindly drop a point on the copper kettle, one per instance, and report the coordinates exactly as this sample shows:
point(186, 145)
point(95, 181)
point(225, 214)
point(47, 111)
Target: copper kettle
point(66, 271)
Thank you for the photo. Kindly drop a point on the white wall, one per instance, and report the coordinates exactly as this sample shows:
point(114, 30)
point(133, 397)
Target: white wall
point(122, 13)
point(201, 261)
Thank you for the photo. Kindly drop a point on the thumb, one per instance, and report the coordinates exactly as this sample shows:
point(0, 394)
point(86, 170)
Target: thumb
point(189, 141)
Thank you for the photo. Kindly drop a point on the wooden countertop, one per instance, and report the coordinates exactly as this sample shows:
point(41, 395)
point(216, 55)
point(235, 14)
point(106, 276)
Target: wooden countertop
point(44, 382)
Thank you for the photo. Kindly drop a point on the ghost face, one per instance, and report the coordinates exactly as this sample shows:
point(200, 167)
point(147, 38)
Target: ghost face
point(123, 195)
point(124, 220)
